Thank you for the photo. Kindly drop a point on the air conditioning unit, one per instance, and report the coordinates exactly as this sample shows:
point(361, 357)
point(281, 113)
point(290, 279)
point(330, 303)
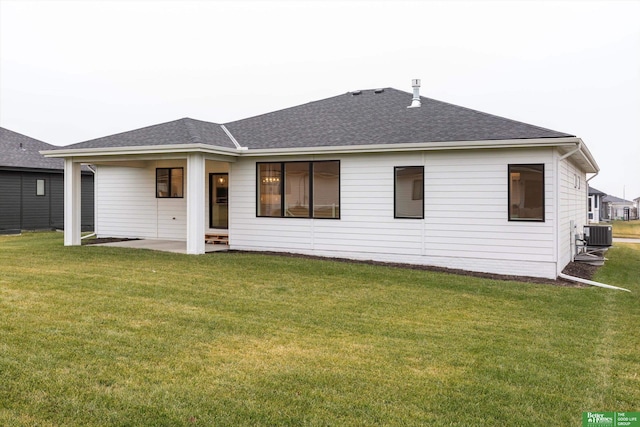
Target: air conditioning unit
point(598, 235)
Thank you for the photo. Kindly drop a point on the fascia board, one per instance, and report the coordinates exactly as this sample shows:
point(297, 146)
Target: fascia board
point(144, 150)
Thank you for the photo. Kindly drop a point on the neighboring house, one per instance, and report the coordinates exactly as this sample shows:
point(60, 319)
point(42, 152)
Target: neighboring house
point(358, 176)
point(618, 209)
point(31, 186)
point(636, 203)
point(596, 210)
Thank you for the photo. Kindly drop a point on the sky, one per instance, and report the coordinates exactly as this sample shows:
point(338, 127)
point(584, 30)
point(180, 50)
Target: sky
point(71, 71)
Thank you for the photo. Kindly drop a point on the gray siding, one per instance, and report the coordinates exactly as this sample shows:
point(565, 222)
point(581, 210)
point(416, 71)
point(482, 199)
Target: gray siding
point(22, 209)
point(10, 188)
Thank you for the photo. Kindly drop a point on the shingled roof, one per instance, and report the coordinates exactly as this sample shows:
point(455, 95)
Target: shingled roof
point(378, 116)
point(21, 151)
point(182, 131)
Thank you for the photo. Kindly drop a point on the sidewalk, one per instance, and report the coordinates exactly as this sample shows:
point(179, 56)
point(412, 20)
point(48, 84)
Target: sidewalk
point(625, 240)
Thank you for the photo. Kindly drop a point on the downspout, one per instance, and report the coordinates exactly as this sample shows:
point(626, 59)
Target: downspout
point(591, 282)
point(594, 199)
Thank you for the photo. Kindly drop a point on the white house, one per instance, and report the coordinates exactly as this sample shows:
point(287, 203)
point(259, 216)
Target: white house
point(617, 208)
point(358, 176)
point(595, 206)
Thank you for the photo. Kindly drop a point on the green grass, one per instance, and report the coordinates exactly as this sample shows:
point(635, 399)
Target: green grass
point(97, 336)
point(628, 229)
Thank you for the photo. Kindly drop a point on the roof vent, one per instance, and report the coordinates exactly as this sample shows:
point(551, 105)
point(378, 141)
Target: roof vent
point(356, 92)
point(378, 90)
point(415, 102)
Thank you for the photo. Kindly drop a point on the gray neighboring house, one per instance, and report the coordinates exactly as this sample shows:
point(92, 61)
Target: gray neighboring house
point(32, 187)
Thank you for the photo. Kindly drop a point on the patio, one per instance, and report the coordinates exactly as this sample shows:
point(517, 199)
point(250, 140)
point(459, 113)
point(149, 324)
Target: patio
point(163, 245)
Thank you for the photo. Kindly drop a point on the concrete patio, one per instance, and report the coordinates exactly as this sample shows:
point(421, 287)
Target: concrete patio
point(163, 245)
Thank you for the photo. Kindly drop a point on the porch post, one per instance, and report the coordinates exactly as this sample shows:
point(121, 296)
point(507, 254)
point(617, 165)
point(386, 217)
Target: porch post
point(195, 203)
point(72, 194)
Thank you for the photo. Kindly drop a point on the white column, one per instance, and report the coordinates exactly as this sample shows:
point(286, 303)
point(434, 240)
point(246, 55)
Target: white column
point(72, 194)
point(195, 203)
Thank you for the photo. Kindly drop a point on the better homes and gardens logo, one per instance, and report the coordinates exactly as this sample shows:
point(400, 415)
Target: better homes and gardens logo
point(611, 419)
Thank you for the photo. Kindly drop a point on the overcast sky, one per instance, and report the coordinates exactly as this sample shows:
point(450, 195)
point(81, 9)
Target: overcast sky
point(77, 70)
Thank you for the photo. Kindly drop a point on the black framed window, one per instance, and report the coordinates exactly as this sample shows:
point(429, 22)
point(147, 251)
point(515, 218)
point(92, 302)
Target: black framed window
point(169, 183)
point(408, 189)
point(526, 192)
point(298, 189)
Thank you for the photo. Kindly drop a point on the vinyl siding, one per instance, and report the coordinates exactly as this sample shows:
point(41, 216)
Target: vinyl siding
point(573, 207)
point(466, 223)
point(21, 208)
point(127, 205)
point(10, 206)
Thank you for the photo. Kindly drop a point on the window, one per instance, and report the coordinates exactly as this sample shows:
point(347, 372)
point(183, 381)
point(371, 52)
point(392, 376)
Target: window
point(299, 189)
point(40, 191)
point(169, 182)
point(409, 192)
point(526, 192)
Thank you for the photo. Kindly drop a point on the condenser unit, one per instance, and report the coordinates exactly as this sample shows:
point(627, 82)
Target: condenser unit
point(598, 235)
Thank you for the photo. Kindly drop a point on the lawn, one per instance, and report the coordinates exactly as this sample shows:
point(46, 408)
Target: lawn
point(629, 229)
point(97, 336)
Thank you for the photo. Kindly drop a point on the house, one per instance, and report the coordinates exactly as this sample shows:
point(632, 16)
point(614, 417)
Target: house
point(596, 209)
point(31, 186)
point(618, 209)
point(376, 174)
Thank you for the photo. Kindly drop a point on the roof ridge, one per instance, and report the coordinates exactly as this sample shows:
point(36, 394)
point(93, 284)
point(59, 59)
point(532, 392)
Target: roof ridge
point(290, 108)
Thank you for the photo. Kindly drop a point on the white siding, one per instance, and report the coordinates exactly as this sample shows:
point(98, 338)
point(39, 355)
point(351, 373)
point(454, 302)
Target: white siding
point(466, 224)
point(127, 206)
point(573, 207)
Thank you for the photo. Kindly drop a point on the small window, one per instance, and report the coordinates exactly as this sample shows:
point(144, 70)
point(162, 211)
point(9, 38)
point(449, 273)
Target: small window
point(40, 189)
point(526, 192)
point(409, 192)
point(169, 182)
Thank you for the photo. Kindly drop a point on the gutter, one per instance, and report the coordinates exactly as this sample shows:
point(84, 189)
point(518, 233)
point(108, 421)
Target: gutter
point(290, 151)
point(591, 282)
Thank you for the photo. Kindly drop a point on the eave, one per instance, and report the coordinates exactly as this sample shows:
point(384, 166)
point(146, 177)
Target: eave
point(565, 145)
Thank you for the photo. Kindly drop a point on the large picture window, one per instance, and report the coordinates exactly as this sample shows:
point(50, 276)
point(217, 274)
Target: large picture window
point(299, 189)
point(169, 182)
point(409, 192)
point(526, 192)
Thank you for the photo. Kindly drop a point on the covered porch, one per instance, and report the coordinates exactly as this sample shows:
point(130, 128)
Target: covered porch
point(132, 200)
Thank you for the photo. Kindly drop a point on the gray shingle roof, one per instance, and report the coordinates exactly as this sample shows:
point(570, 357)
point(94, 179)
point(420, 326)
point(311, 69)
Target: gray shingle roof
point(613, 199)
point(595, 191)
point(20, 151)
point(377, 117)
point(363, 117)
point(182, 131)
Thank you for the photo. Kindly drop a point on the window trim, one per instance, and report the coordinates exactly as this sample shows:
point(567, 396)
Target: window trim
point(44, 187)
point(544, 209)
point(169, 196)
point(413, 193)
point(282, 186)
